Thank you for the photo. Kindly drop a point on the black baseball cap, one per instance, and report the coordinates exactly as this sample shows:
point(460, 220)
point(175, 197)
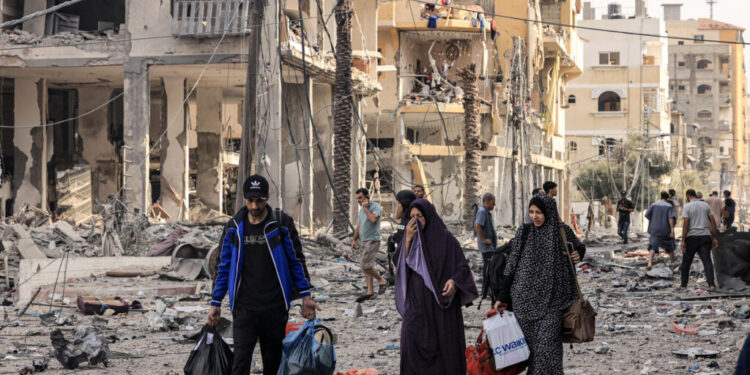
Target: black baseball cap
point(256, 186)
point(624, 192)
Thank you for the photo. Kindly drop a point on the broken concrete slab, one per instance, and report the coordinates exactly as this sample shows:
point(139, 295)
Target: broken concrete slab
point(66, 232)
point(29, 249)
point(78, 267)
point(15, 232)
point(184, 270)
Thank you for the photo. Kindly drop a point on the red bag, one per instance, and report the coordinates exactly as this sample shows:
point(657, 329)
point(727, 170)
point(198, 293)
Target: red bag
point(481, 361)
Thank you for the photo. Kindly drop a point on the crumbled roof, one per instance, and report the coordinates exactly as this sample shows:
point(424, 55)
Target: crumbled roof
point(709, 24)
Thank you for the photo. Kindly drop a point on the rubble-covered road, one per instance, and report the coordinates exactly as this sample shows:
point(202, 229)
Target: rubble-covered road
point(636, 333)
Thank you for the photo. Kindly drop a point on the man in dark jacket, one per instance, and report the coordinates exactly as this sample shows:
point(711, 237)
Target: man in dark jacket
point(262, 268)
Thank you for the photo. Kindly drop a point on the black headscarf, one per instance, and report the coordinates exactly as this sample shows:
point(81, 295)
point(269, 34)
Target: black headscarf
point(541, 274)
point(405, 198)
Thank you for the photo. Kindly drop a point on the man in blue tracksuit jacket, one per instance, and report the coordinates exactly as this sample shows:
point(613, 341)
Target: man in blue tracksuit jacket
point(263, 269)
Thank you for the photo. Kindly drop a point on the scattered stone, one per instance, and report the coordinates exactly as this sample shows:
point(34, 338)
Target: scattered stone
point(86, 346)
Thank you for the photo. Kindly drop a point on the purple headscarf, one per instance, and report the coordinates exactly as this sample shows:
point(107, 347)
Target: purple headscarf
point(437, 257)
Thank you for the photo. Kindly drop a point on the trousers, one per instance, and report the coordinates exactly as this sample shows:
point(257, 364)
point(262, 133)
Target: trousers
point(702, 246)
point(249, 327)
point(622, 229)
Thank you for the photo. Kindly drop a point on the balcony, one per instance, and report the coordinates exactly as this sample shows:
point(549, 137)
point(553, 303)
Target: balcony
point(210, 18)
point(567, 45)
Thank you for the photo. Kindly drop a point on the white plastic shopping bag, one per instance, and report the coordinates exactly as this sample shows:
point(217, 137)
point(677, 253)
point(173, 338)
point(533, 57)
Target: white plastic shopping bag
point(506, 340)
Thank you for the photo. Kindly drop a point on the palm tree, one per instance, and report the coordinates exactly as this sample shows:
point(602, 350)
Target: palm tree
point(342, 118)
point(472, 145)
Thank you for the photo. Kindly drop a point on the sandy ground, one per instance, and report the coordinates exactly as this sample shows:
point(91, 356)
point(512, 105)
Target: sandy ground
point(634, 334)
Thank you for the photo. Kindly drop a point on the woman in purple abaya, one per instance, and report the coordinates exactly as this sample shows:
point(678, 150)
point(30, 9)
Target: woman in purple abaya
point(433, 282)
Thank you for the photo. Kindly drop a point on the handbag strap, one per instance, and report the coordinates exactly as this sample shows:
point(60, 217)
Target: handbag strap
point(570, 259)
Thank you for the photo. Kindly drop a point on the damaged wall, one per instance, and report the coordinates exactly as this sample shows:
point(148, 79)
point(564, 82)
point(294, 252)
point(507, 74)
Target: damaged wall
point(210, 175)
point(322, 193)
point(97, 151)
point(30, 144)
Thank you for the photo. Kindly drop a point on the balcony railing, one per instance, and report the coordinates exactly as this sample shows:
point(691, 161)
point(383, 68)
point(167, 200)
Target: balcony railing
point(210, 17)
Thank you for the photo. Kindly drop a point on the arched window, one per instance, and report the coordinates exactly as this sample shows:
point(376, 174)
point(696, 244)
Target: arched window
point(671, 128)
point(609, 102)
point(573, 146)
point(704, 89)
point(705, 115)
point(721, 149)
point(704, 64)
point(572, 99)
point(705, 140)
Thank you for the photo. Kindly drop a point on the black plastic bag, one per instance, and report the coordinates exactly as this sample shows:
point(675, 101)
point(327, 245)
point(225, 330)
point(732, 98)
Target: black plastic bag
point(212, 355)
point(304, 355)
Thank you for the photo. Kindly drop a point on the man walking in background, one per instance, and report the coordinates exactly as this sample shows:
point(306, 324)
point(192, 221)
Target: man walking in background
point(550, 188)
point(698, 236)
point(484, 227)
point(675, 201)
point(419, 191)
point(661, 228)
point(715, 203)
point(368, 234)
point(727, 213)
point(624, 207)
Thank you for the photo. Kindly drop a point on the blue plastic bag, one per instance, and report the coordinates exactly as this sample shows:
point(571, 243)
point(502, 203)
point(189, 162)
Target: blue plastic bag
point(304, 355)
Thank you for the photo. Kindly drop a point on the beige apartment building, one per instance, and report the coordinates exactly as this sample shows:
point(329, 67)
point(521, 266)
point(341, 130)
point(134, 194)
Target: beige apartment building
point(623, 91)
point(417, 123)
point(709, 88)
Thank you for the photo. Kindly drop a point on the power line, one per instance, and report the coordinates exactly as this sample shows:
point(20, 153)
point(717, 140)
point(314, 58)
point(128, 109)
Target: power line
point(591, 28)
point(39, 13)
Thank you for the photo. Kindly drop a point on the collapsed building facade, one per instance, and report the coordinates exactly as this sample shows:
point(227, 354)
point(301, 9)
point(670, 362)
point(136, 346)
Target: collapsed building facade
point(145, 100)
point(417, 123)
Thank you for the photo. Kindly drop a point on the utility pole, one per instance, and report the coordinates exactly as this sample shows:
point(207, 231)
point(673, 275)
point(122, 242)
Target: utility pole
point(711, 6)
point(517, 104)
point(342, 118)
point(250, 105)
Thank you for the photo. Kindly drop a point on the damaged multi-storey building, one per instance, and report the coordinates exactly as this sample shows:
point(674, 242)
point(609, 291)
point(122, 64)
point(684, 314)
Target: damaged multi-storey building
point(146, 100)
point(417, 124)
point(709, 88)
point(623, 92)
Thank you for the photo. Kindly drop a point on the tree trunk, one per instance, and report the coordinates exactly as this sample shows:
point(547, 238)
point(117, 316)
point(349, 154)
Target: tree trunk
point(472, 146)
point(342, 118)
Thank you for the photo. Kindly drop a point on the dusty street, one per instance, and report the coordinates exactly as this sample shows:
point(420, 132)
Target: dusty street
point(635, 333)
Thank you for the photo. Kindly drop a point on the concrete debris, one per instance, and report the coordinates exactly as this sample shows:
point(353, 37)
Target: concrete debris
point(86, 346)
point(693, 353)
point(28, 249)
point(184, 269)
point(662, 272)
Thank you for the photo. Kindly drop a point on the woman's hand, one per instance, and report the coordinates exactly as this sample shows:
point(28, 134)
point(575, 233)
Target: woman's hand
point(449, 289)
point(497, 305)
point(576, 257)
point(411, 230)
